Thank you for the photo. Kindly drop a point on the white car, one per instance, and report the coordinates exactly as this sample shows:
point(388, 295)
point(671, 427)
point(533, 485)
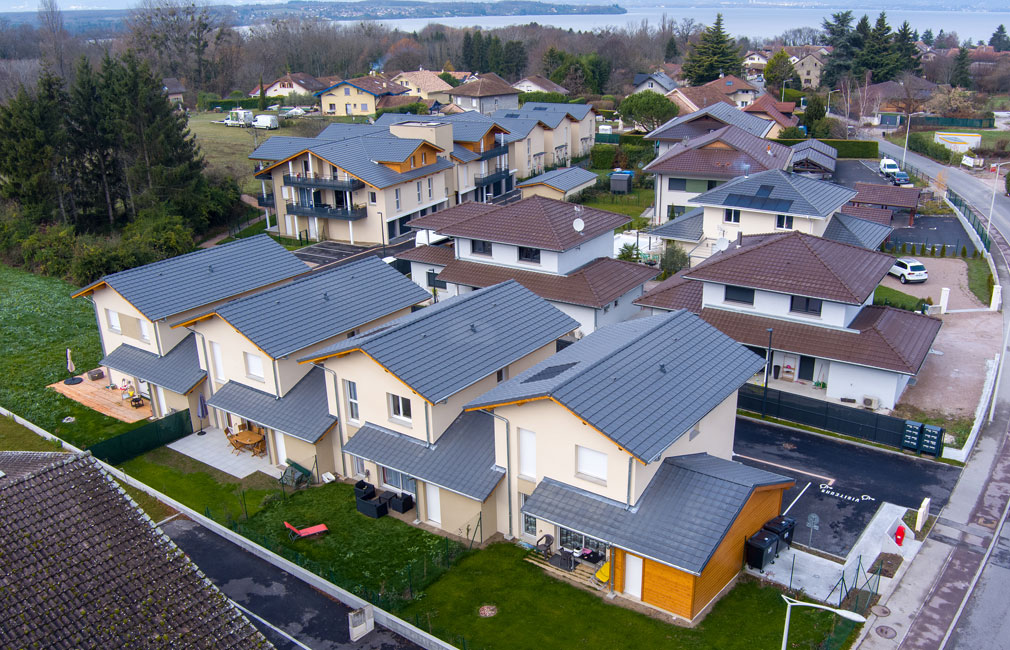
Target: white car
point(909, 269)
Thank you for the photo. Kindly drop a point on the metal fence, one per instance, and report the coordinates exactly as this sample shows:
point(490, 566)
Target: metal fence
point(135, 442)
point(858, 423)
point(608, 138)
point(971, 215)
point(963, 122)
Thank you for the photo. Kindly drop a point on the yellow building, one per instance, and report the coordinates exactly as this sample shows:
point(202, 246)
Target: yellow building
point(358, 96)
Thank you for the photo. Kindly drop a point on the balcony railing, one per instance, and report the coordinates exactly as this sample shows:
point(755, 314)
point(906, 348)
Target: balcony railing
point(500, 150)
point(328, 182)
point(265, 200)
point(491, 177)
point(327, 212)
point(258, 169)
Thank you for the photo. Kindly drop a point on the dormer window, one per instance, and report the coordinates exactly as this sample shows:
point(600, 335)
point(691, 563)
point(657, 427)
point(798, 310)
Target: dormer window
point(531, 255)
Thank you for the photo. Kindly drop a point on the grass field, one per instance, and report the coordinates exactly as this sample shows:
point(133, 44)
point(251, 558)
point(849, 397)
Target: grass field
point(888, 296)
point(38, 322)
point(978, 279)
point(260, 227)
point(989, 138)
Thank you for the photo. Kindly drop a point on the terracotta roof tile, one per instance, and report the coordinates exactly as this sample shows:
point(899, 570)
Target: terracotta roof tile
point(749, 154)
point(766, 105)
point(889, 195)
point(675, 292)
point(425, 80)
point(702, 96)
point(439, 255)
point(451, 216)
point(877, 215)
point(487, 85)
point(730, 84)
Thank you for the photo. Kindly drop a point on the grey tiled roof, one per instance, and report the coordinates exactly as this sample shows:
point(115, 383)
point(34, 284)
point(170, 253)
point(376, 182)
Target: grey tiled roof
point(469, 126)
point(83, 566)
point(681, 518)
point(178, 284)
point(564, 179)
point(178, 371)
point(280, 147)
point(340, 131)
point(816, 152)
point(779, 192)
point(293, 316)
point(847, 229)
point(461, 460)
point(357, 156)
point(689, 226)
point(518, 128)
point(603, 377)
point(724, 113)
point(463, 154)
point(576, 111)
point(659, 77)
point(302, 412)
point(463, 339)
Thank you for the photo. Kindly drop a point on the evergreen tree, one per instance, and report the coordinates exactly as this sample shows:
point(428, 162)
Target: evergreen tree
point(467, 51)
point(927, 37)
point(715, 54)
point(904, 53)
point(844, 42)
point(514, 60)
point(672, 51)
point(263, 96)
point(89, 130)
point(814, 112)
point(960, 76)
point(479, 61)
point(597, 71)
point(647, 108)
point(876, 53)
point(449, 79)
point(779, 70)
point(494, 54)
point(999, 39)
point(553, 58)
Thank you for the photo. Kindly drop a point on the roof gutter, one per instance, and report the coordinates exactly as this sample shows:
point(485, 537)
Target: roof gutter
point(340, 420)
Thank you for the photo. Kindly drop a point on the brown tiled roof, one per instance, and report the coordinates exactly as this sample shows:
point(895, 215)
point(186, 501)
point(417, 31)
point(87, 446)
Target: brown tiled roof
point(594, 285)
point(766, 105)
point(675, 292)
point(426, 80)
point(451, 216)
point(876, 215)
point(305, 80)
point(535, 221)
point(83, 566)
point(487, 85)
point(799, 264)
point(331, 80)
point(730, 84)
point(885, 337)
point(392, 101)
point(439, 255)
point(749, 154)
point(702, 96)
point(888, 195)
point(786, 107)
point(377, 85)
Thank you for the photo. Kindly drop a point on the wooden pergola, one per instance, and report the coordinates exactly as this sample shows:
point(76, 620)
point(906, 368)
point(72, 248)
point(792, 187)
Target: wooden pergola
point(889, 197)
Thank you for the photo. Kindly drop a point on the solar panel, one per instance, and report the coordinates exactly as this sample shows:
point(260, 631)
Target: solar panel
point(540, 108)
point(550, 372)
point(758, 202)
point(764, 190)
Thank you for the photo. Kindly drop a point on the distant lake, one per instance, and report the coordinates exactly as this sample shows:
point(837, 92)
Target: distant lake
point(739, 21)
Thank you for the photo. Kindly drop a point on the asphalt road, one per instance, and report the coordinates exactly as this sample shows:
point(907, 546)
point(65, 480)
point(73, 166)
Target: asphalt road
point(986, 619)
point(842, 483)
point(311, 617)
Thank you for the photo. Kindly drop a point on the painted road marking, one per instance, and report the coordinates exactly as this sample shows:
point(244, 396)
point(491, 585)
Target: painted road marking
point(827, 490)
point(796, 499)
point(828, 479)
point(272, 626)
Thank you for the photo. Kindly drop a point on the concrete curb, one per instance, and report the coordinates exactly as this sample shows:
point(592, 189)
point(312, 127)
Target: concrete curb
point(382, 617)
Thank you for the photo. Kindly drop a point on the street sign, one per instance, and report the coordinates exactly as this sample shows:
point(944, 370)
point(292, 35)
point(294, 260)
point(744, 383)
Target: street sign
point(812, 523)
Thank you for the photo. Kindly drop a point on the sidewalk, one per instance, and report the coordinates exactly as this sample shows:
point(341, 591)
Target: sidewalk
point(213, 241)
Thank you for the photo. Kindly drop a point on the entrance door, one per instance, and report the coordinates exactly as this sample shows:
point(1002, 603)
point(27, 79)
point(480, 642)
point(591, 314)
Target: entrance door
point(314, 230)
point(633, 575)
point(806, 369)
point(289, 220)
point(433, 505)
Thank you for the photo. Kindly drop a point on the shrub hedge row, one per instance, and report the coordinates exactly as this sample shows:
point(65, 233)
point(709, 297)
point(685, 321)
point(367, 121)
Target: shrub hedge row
point(846, 148)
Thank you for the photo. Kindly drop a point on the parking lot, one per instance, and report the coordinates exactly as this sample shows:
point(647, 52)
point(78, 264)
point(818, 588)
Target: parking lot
point(328, 252)
point(842, 483)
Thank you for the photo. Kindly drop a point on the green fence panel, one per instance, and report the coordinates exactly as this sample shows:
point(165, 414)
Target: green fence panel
point(143, 439)
point(959, 122)
point(608, 138)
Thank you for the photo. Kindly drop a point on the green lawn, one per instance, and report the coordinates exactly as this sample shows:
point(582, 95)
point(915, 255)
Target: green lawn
point(978, 279)
point(888, 296)
point(537, 611)
point(260, 227)
point(959, 427)
point(38, 322)
point(989, 138)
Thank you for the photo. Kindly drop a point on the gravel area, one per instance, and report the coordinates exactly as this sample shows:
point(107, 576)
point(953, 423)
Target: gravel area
point(943, 272)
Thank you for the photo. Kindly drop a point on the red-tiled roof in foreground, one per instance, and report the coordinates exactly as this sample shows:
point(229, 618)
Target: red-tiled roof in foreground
point(594, 285)
point(675, 292)
point(885, 337)
point(876, 215)
point(438, 255)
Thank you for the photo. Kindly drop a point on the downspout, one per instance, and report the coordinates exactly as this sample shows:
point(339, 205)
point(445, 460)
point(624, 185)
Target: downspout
point(631, 466)
point(508, 463)
point(157, 336)
point(340, 420)
point(206, 359)
point(277, 381)
point(427, 424)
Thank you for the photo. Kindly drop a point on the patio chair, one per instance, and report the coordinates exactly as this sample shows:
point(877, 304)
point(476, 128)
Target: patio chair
point(260, 448)
point(602, 576)
point(295, 533)
point(544, 545)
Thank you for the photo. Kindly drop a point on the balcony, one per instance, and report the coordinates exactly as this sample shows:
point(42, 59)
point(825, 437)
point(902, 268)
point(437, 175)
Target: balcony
point(498, 174)
point(327, 212)
point(328, 182)
point(258, 171)
point(265, 200)
point(501, 150)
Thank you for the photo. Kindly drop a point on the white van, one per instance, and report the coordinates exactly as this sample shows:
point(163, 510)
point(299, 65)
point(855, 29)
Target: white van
point(888, 167)
point(265, 122)
point(239, 118)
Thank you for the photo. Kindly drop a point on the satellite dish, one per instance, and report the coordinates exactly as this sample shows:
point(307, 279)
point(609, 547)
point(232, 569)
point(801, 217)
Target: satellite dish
point(579, 225)
point(721, 244)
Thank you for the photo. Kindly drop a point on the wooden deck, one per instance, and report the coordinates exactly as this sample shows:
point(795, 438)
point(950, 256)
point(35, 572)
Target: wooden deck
point(582, 576)
point(106, 401)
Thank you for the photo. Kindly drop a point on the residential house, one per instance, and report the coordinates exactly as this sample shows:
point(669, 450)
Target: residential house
point(84, 566)
point(809, 68)
point(560, 251)
point(485, 94)
point(357, 183)
point(560, 184)
point(735, 89)
point(398, 392)
point(249, 347)
point(657, 82)
point(754, 62)
point(425, 84)
point(897, 98)
point(358, 96)
point(646, 485)
point(815, 296)
point(538, 84)
point(580, 125)
point(174, 90)
point(815, 159)
point(528, 152)
point(291, 83)
point(701, 163)
point(693, 98)
point(135, 308)
point(781, 113)
point(706, 120)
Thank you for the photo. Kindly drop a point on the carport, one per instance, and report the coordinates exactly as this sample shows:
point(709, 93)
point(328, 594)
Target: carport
point(876, 215)
point(888, 197)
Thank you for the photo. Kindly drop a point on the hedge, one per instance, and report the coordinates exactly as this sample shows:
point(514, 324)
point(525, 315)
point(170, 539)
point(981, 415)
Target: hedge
point(634, 139)
point(846, 148)
point(602, 156)
point(923, 143)
point(607, 115)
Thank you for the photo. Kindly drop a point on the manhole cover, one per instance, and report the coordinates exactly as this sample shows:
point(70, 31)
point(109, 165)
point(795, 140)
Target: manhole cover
point(886, 632)
point(880, 610)
point(487, 611)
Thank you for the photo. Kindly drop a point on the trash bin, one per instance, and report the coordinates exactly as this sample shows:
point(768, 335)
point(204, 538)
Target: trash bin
point(783, 527)
point(761, 548)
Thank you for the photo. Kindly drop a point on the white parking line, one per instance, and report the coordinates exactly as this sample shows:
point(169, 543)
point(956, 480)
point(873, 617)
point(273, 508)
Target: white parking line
point(272, 627)
point(826, 479)
point(786, 512)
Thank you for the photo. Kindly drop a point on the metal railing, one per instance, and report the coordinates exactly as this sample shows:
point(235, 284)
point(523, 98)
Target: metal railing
point(500, 150)
point(258, 169)
point(498, 174)
point(265, 200)
point(327, 212)
point(972, 216)
point(328, 182)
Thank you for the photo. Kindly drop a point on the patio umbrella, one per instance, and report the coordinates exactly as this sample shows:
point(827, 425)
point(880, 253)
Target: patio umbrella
point(202, 413)
point(71, 368)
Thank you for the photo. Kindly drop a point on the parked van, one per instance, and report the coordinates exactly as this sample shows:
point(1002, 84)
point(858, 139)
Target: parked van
point(265, 122)
point(239, 118)
point(888, 167)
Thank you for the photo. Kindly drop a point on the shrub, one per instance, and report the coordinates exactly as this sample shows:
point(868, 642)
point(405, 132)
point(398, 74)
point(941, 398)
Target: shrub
point(904, 247)
point(602, 156)
point(673, 259)
point(629, 253)
point(974, 254)
point(541, 96)
point(943, 250)
point(964, 251)
point(846, 148)
point(922, 248)
point(634, 139)
point(416, 108)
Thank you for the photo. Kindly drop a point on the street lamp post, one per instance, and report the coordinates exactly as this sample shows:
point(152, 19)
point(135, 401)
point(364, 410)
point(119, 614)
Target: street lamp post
point(768, 365)
point(828, 103)
point(782, 97)
point(791, 602)
point(992, 203)
point(908, 127)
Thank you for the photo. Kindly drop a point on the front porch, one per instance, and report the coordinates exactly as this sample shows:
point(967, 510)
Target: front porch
point(213, 448)
point(108, 400)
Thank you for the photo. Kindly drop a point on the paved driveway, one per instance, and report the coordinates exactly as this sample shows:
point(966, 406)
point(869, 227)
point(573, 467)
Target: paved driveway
point(842, 483)
point(850, 172)
point(327, 252)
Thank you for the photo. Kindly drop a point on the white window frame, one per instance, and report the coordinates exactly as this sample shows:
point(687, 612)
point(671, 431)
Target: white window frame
point(251, 363)
point(397, 404)
point(112, 319)
point(396, 195)
point(590, 464)
point(404, 482)
point(783, 222)
point(145, 331)
point(357, 466)
point(502, 374)
point(218, 370)
point(418, 191)
point(430, 185)
point(351, 397)
point(529, 521)
point(527, 454)
point(371, 198)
